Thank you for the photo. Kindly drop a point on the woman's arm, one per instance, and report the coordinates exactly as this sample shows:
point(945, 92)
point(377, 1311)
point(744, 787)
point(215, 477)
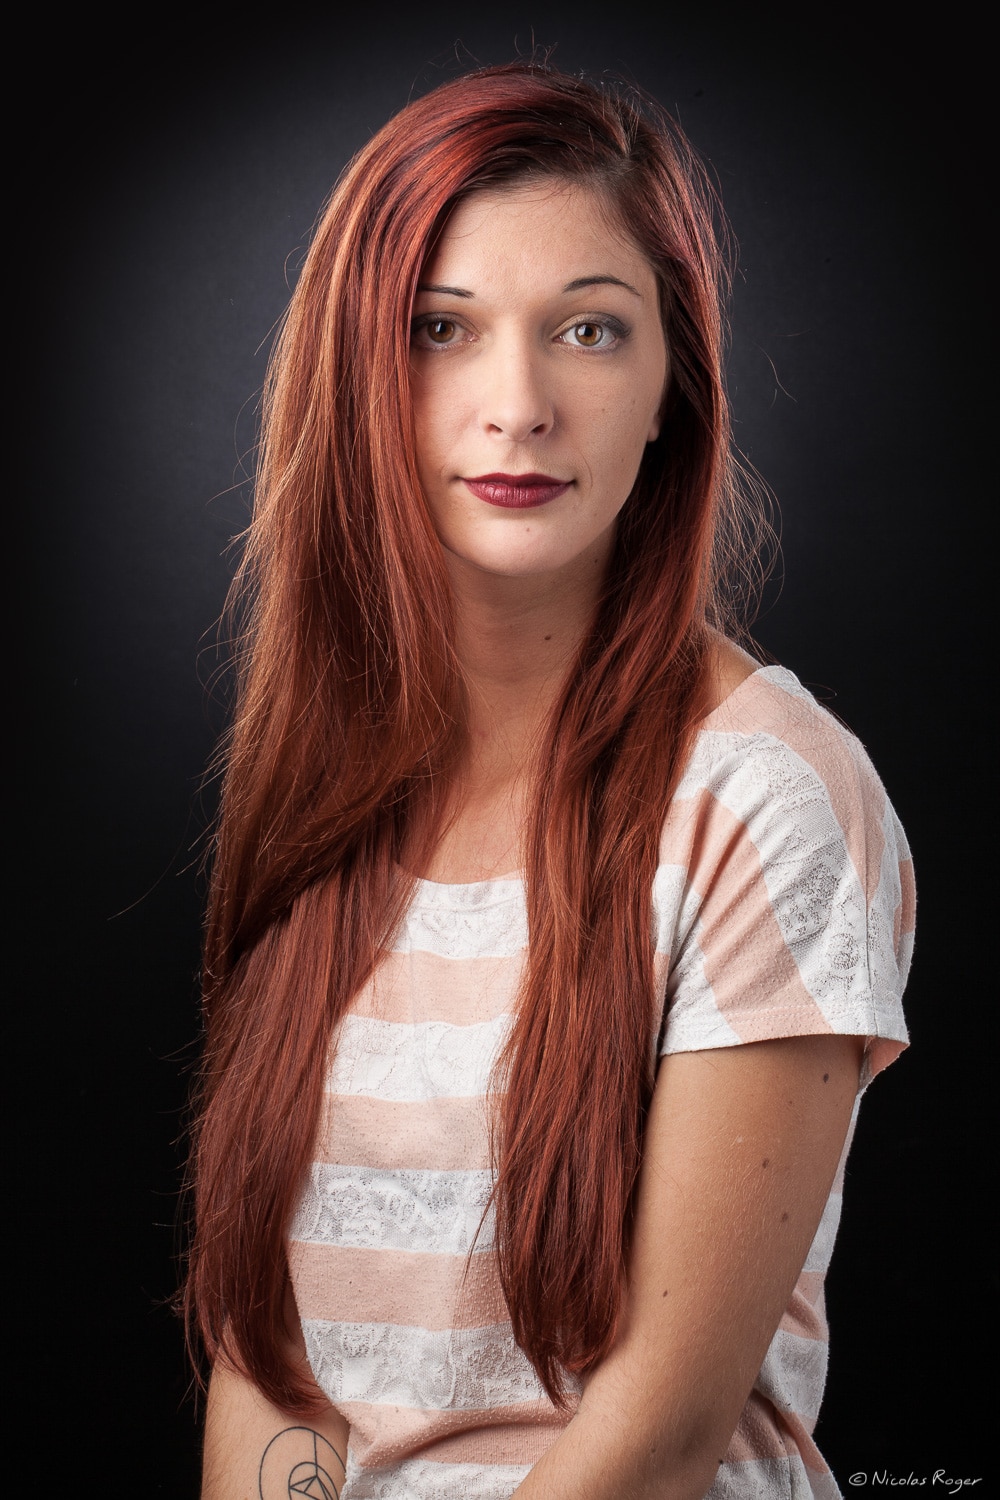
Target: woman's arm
point(255, 1451)
point(741, 1150)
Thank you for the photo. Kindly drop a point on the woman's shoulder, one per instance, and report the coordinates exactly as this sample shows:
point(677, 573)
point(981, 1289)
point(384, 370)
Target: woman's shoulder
point(764, 729)
point(744, 695)
point(784, 895)
point(773, 773)
point(729, 666)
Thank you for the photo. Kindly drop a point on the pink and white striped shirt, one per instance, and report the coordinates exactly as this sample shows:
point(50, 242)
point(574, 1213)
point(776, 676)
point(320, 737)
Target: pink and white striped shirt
point(783, 906)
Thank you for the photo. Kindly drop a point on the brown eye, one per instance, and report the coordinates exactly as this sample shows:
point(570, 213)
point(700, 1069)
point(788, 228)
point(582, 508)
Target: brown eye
point(603, 333)
point(440, 331)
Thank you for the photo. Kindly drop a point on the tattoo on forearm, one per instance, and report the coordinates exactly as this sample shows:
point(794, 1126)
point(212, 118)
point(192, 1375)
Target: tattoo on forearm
point(300, 1462)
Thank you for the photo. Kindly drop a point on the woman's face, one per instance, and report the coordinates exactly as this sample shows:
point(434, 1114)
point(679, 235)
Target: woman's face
point(539, 368)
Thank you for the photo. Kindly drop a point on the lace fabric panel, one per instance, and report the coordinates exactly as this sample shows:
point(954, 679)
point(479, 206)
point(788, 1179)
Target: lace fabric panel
point(437, 1369)
point(372, 1208)
point(403, 1061)
point(485, 920)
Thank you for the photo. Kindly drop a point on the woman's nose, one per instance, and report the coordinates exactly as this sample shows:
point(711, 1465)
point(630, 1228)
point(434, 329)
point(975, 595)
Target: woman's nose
point(515, 399)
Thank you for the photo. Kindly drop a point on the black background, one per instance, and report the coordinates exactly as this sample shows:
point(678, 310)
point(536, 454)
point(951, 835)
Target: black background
point(178, 166)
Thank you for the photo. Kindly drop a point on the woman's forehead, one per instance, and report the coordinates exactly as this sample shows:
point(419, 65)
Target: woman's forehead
point(549, 228)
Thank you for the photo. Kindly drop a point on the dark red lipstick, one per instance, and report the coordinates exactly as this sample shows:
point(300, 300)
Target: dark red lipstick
point(517, 491)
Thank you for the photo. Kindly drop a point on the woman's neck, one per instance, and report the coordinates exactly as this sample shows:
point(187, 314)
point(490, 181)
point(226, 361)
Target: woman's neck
point(515, 639)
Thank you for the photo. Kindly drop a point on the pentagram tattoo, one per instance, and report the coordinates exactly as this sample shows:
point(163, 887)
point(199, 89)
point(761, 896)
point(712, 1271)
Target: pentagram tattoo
point(299, 1462)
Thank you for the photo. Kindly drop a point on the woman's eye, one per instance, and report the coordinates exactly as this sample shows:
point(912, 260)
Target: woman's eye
point(590, 334)
point(437, 331)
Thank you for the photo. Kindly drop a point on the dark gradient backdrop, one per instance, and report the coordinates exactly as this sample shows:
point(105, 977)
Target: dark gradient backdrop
point(193, 159)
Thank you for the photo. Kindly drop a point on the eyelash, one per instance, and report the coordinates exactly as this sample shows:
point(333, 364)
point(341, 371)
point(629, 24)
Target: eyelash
point(614, 326)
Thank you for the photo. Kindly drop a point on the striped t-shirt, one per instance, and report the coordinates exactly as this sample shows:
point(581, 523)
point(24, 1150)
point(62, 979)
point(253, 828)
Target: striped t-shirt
point(783, 906)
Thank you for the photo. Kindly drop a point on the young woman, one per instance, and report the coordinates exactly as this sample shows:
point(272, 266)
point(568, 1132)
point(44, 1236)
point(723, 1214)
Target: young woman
point(552, 937)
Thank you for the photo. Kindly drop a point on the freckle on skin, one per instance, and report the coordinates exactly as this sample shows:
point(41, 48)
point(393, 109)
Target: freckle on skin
point(826, 1076)
point(783, 1218)
point(766, 1162)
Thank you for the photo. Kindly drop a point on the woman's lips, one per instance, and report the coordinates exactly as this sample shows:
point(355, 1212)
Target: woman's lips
point(517, 491)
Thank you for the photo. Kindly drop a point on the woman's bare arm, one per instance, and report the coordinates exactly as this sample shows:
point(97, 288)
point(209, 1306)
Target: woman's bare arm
point(255, 1451)
point(741, 1150)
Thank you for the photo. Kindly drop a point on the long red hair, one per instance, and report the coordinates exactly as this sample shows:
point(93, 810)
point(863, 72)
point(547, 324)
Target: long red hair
point(350, 714)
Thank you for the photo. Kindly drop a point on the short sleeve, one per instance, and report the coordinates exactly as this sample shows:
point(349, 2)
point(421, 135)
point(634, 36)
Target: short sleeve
point(784, 897)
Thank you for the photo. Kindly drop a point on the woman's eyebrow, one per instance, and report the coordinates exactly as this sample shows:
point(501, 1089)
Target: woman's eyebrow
point(583, 281)
point(445, 291)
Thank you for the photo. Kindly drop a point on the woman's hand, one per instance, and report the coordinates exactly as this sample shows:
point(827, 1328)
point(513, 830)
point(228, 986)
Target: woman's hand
point(254, 1451)
point(742, 1146)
